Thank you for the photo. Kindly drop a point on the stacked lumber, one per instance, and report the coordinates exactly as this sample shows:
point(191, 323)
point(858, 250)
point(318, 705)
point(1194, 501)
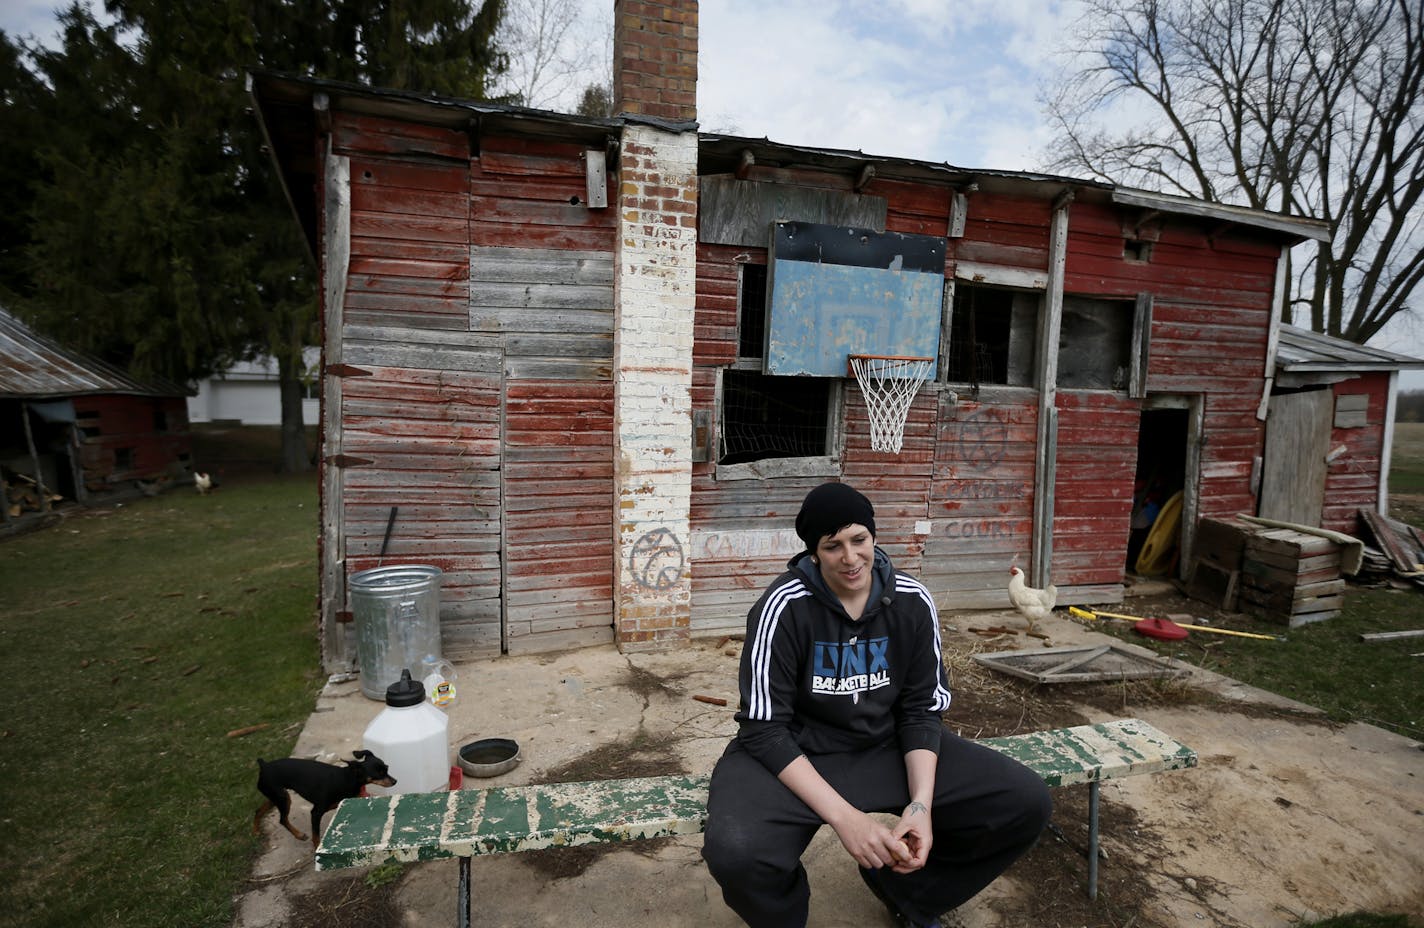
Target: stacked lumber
point(1397, 548)
point(1291, 577)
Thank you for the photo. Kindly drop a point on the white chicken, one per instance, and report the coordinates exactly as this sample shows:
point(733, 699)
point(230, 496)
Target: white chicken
point(202, 481)
point(1032, 603)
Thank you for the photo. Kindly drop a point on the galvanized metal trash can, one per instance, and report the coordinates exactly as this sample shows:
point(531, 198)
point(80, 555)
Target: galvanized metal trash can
point(397, 615)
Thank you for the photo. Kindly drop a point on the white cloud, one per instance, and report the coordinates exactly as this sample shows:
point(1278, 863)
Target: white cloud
point(906, 78)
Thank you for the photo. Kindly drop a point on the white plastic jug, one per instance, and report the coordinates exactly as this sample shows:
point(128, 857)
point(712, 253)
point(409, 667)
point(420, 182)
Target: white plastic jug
point(438, 675)
point(410, 736)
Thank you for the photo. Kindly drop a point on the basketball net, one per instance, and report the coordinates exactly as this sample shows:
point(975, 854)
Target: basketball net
point(889, 386)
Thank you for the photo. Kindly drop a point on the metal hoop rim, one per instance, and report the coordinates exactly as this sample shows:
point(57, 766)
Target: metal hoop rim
point(850, 360)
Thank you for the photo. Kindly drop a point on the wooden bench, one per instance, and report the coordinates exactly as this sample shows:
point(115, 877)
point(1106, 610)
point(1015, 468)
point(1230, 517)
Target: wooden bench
point(509, 819)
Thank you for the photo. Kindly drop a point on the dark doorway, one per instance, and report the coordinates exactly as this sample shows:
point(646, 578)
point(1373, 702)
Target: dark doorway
point(1161, 476)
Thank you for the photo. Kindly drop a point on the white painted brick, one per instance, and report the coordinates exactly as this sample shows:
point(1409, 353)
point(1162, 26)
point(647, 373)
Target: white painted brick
point(654, 291)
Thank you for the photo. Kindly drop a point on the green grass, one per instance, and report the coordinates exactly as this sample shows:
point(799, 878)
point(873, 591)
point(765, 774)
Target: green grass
point(132, 640)
point(1406, 468)
point(1363, 920)
point(1324, 664)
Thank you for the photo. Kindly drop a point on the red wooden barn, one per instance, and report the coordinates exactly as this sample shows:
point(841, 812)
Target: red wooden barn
point(1329, 430)
point(78, 426)
point(595, 364)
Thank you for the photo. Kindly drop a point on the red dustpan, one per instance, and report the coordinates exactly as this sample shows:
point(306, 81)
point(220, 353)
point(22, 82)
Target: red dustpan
point(1165, 629)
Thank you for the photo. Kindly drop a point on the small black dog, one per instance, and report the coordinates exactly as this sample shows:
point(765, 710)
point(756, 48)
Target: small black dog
point(323, 785)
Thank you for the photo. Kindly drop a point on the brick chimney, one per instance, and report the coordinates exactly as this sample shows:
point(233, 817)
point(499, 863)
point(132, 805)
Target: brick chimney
point(655, 58)
point(654, 288)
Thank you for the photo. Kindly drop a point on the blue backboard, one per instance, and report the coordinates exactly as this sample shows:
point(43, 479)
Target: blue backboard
point(837, 291)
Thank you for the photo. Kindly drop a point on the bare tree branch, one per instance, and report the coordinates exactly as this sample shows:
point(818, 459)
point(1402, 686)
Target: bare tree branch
point(555, 51)
point(1306, 107)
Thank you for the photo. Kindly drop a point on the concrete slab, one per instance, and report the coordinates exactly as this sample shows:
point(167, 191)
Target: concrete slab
point(562, 707)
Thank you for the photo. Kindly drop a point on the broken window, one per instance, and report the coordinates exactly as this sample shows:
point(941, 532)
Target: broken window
point(764, 416)
point(1137, 250)
point(992, 332)
point(1094, 343)
point(773, 417)
point(1102, 344)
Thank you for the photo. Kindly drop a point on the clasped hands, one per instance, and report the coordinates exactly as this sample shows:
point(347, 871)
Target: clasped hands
point(903, 848)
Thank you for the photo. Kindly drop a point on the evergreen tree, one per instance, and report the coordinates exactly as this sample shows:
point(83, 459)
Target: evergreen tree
point(157, 231)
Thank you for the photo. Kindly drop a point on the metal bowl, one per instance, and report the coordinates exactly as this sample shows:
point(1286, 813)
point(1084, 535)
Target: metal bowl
point(489, 757)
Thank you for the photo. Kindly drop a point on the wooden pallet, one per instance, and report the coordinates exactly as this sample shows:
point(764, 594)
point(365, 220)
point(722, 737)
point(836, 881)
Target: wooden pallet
point(1291, 577)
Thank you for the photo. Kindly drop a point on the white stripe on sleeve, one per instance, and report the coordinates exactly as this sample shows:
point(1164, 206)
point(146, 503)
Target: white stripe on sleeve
point(760, 708)
point(904, 584)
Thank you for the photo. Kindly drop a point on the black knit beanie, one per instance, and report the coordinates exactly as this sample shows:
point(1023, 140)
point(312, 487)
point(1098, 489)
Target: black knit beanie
point(828, 509)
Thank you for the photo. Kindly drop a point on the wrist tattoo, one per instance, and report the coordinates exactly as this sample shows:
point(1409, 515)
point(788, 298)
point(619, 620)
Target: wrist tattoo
point(915, 807)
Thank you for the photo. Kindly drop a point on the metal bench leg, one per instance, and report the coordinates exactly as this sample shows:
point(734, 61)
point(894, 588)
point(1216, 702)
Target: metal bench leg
point(1092, 840)
point(462, 904)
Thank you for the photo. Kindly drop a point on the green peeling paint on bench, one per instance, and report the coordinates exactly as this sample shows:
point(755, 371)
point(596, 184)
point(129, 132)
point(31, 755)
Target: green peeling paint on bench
point(1109, 751)
point(506, 820)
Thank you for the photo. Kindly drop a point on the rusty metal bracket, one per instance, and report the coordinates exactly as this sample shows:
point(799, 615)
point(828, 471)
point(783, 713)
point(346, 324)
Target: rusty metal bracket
point(347, 460)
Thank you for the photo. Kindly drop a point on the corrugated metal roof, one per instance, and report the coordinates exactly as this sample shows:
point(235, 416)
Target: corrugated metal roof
point(35, 367)
point(1303, 350)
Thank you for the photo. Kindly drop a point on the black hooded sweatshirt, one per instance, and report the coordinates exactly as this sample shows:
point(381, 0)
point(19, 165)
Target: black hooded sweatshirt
point(815, 681)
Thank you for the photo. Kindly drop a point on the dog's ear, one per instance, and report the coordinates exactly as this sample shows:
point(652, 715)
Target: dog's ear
point(360, 755)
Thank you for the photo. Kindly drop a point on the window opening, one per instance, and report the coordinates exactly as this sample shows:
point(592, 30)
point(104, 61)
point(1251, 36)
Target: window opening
point(763, 415)
point(772, 417)
point(1095, 344)
point(751, 334)
point(991, 337)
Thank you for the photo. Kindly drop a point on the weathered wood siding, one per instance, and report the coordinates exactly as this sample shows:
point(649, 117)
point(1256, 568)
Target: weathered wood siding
point(558, 503)
point(1352, 478)
point(431, 437)
point(981, 498)
point(150, 432)
point(541, 272)
point(968, 464)
point(898, 484)
point(1092, 487)
point(421, 419)
point(1211, 314)
point(1005, 238)
point(742, 530)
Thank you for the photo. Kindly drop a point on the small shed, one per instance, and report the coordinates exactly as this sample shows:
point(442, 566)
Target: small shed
point(1329, 430)
point(595, 364)
point(74, 427)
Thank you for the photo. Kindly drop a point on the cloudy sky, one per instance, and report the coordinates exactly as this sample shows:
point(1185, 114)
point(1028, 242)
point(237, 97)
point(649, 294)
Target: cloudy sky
point(928, 79)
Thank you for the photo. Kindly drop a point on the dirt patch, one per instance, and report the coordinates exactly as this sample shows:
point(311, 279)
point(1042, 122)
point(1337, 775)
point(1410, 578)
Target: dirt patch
point(1287, 819)
point(1057, 866)
point(349, 902)
point(645, 755)
point(647, 684)
point(1052, 878)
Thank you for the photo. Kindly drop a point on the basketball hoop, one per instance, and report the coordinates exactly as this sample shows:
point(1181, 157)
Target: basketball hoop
point(889, 384)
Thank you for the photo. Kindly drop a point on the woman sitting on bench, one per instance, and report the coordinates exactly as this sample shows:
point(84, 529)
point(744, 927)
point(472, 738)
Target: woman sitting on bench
point(842, 691)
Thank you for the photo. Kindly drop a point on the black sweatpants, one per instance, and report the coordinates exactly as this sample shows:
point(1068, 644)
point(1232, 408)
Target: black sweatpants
point(988, 810)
